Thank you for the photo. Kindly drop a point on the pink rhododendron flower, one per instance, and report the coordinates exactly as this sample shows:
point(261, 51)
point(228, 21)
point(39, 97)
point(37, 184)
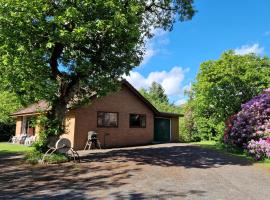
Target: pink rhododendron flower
point(251, 123)
point(259, 149)
point(267, 90)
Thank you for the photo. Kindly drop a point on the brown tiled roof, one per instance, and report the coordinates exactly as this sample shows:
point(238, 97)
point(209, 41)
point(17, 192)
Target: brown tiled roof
point(33, 109)
point(44, 106)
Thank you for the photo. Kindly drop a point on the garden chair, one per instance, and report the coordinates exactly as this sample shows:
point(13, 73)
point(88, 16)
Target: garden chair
point(92, 139)
point(10, 139)
point(22, 138)
point(30, 140)
point(63, 146)
point(14, 139)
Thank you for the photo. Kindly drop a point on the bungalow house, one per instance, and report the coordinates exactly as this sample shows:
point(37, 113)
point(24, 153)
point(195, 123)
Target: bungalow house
point(122, 118)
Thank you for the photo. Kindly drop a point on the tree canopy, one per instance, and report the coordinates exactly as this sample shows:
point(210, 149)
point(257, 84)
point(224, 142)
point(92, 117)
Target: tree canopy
point(9, 103)
point(156, 95)
point(63, 51)
point(222, 86)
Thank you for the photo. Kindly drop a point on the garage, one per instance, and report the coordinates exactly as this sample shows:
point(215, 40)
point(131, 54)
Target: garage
point(162, 130)
point(166, 127)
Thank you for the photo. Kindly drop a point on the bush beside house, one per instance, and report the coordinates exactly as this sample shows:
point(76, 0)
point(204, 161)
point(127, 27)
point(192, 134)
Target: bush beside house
point(249, 129)
point(6, 131)
point(221, 87)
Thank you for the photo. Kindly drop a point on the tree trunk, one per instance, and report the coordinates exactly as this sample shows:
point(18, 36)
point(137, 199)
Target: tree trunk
point(59, 108)
point(56, 116)
point(58, 111)
point(68, 87)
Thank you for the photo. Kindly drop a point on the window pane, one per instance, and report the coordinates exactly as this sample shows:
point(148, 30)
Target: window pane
point(100, 118)
point(137, 120)
point(106, 119)
point(134, 120)
point(143, 121)
point(112, 119)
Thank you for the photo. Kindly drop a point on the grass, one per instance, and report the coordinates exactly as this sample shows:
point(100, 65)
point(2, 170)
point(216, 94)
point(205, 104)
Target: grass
point(7, 148)
point(31, 155)
point(223, 148)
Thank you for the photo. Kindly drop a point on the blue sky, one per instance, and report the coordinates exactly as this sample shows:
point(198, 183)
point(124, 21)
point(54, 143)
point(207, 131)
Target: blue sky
point(173, 58)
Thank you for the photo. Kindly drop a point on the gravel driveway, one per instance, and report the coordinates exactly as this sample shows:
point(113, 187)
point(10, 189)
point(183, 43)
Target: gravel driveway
point(165, 171)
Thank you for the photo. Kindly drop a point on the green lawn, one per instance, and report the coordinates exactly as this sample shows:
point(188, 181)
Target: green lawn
point(6, 148)
point(32, 156)
point(221, 147)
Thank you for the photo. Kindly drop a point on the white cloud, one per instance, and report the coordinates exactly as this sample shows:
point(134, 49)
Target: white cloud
point(180, 102)
point(247, 49)
point(187, 88)
point(171, 81)
point(149, 53)
point(159, 32)
point(155, 45)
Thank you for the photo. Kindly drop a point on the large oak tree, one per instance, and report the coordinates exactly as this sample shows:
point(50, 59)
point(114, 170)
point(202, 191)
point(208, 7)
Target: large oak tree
point(64, 50)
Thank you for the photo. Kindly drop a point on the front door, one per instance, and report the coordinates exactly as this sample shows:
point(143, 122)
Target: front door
point(162, 130)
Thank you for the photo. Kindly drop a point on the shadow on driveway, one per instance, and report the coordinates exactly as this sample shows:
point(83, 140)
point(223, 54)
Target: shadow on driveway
point(163, 194)
point(112, 174)
point(188, 156)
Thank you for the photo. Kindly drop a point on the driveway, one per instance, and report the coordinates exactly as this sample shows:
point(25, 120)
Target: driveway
point(165, 171)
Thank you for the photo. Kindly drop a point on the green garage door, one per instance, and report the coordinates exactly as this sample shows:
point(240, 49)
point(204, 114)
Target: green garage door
point(162, 130)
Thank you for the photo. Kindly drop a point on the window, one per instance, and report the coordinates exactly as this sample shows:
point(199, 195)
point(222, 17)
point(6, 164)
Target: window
point(137, 121)
point(107, 119)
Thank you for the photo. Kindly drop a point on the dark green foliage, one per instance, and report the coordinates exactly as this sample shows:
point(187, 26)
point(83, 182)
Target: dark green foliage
point(6, 131)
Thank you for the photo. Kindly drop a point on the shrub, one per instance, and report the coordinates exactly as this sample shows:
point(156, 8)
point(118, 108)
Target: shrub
point(33, 157)
point(56, 158)
point(6, 131)
point(187, 126)
point(259, 149)
point(223, 85)
point(251, 123)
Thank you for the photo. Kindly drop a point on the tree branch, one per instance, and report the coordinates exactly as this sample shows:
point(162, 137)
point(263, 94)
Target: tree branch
point(149, 8)
point(83, 49)
point(57, 50)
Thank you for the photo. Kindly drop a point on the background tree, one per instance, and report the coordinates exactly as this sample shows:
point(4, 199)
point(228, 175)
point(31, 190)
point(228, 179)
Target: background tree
point(222, 86)
point(187, 125)
point(156, 95)
point(63, 51)
point(9, 103)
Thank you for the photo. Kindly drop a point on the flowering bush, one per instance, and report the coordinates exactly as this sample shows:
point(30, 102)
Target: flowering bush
point(251, 123)
point(259, 149)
